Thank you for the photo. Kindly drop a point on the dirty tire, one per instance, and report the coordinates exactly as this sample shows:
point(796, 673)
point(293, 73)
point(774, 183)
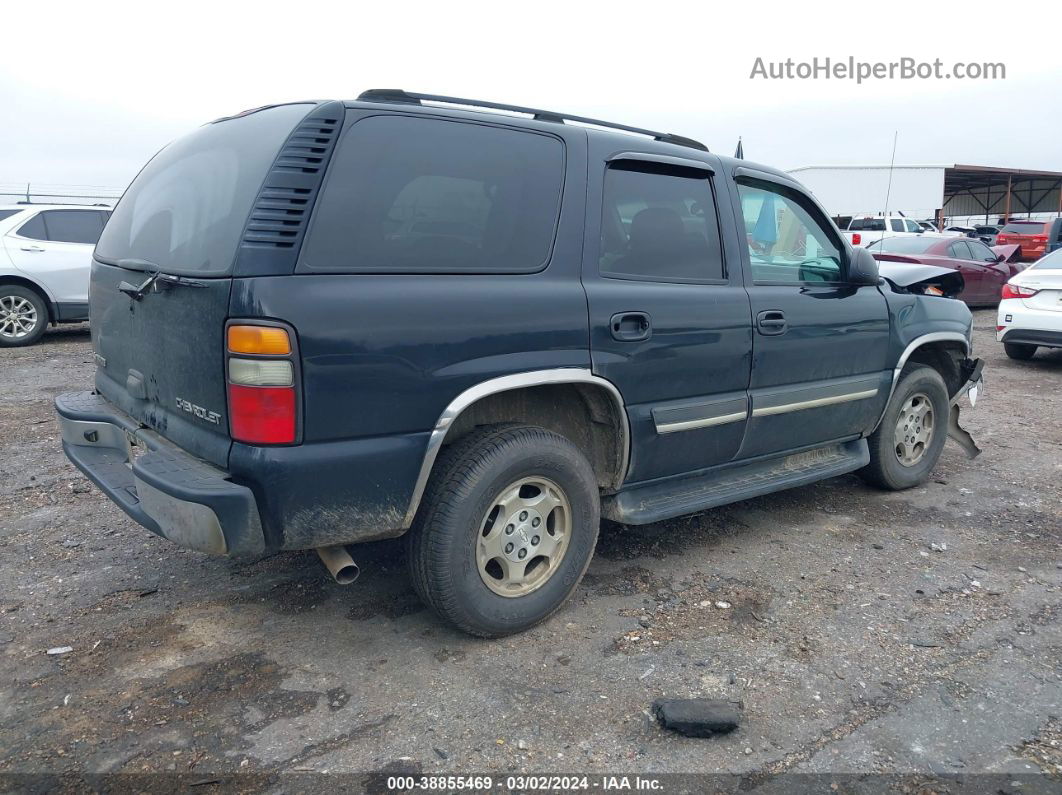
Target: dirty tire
point(1019, 351)
point(467, 478)
point(16, 293)
point(885, 469)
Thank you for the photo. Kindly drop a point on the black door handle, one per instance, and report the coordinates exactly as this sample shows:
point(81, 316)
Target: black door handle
point(771, 321)
point(631, 326)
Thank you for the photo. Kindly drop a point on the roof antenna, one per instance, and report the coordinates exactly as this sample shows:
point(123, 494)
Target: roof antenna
point(892, 165)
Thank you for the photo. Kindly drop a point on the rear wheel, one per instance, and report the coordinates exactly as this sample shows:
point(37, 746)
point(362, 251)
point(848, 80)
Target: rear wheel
point(23, 316)
point(907, 444)
point(506, 529)
point(1019, 350)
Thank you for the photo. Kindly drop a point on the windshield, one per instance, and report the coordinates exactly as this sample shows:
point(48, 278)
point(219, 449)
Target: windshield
point(185, 212)
point(902, 245)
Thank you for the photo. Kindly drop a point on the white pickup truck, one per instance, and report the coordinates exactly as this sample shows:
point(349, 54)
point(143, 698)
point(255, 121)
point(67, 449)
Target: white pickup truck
point(866, 229)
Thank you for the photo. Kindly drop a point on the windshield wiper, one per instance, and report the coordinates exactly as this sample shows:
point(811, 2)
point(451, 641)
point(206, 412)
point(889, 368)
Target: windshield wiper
point(138, 291)
point(134, 291)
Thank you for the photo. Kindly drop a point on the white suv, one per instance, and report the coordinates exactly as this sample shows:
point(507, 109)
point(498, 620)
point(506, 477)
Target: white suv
point(45, 259)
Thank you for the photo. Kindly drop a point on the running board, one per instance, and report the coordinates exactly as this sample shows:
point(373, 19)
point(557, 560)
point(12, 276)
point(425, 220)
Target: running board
point(667, 499)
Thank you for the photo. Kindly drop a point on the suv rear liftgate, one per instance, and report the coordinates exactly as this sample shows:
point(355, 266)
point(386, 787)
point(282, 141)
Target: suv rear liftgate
point(227, 201)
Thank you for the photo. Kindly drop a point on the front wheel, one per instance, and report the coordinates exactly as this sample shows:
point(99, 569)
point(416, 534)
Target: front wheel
point(907, 444)
point(506, 529)
point(23, 316)
point(1019, 350)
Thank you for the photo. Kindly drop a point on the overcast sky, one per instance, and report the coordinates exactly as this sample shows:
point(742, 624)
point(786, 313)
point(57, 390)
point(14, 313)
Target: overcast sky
point(90, 91)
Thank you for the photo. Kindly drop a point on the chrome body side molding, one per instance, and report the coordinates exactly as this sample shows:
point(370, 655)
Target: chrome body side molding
point(701, 413)
point(706, 422)
point(506, 383)
point(800, 405)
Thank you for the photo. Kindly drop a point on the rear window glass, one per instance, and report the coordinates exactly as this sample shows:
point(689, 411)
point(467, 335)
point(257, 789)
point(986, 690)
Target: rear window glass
point(73, 226)
point(902, 245)
point(867, 225)
point(1027, 228)
point(1052, 261)
point(418, 195)
point(186, 210)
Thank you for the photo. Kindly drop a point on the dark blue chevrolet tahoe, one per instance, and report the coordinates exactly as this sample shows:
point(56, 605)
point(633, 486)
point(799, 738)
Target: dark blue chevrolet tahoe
point(486, 327)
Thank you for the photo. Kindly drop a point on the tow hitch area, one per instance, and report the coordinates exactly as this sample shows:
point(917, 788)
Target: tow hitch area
point(974, 388)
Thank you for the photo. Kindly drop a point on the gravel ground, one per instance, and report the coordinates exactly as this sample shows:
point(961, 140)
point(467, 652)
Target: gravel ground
point(915, 632)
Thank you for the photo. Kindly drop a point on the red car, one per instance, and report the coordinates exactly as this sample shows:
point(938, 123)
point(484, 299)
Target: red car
point(985, 270)
point(1035, 238)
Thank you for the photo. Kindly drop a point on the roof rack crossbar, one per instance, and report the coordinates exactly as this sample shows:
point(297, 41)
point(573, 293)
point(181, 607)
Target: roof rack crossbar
point(407, 97)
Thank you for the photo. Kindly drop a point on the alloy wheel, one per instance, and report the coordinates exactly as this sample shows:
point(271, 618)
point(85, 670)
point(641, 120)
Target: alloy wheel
point(523, 537)
point(18, 317)
point(914, 429)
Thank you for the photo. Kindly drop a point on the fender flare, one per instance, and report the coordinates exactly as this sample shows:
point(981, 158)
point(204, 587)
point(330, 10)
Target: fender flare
point(507, 383)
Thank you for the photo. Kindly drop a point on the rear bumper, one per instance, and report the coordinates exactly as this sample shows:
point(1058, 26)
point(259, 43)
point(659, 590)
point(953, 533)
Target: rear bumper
point(1028, 325)
point(1028, 336)
point(168, 491)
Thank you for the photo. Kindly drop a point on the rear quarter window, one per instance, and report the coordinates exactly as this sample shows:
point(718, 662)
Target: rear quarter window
point(33, 228)
point(414, 195)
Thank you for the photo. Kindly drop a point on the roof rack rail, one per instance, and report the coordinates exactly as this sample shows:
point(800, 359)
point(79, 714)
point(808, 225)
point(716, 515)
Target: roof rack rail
point(407, 97)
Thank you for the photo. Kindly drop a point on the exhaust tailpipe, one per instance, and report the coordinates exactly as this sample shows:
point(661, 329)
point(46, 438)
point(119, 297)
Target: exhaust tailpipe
point(339, 564)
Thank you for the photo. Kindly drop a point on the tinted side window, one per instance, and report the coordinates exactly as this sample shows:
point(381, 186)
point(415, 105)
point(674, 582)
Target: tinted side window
point(786, 242)
point(659, 225)
point(897, 225)
point(73, 226)
point(980, 251)
point(8, 213)
point(34, 228)
point(421, 195)
point(960, 250)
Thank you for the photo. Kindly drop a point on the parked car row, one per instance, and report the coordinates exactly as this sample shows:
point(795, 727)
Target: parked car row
point(45, 256)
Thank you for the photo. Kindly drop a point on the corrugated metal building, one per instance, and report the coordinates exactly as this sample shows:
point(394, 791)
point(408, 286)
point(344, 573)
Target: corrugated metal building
point(959, 193)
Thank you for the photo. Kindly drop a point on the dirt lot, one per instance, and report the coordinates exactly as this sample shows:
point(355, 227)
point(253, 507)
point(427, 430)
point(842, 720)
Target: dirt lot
point(915, 632)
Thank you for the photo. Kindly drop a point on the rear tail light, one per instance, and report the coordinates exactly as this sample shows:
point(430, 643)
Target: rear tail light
point(1001, 239)
point(263, 405)
point(1039, 238)
point(856, 238)
point(1014, 291)
point(266, 340)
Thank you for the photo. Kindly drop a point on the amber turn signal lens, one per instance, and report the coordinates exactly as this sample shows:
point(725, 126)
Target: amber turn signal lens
point(259, 339)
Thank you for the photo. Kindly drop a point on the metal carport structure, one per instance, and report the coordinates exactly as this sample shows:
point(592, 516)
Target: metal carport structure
point(938, 191)
point(1001, 192)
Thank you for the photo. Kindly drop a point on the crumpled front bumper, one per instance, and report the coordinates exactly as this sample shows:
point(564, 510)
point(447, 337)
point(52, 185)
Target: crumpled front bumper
point(170, 492)
point(974, 386)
